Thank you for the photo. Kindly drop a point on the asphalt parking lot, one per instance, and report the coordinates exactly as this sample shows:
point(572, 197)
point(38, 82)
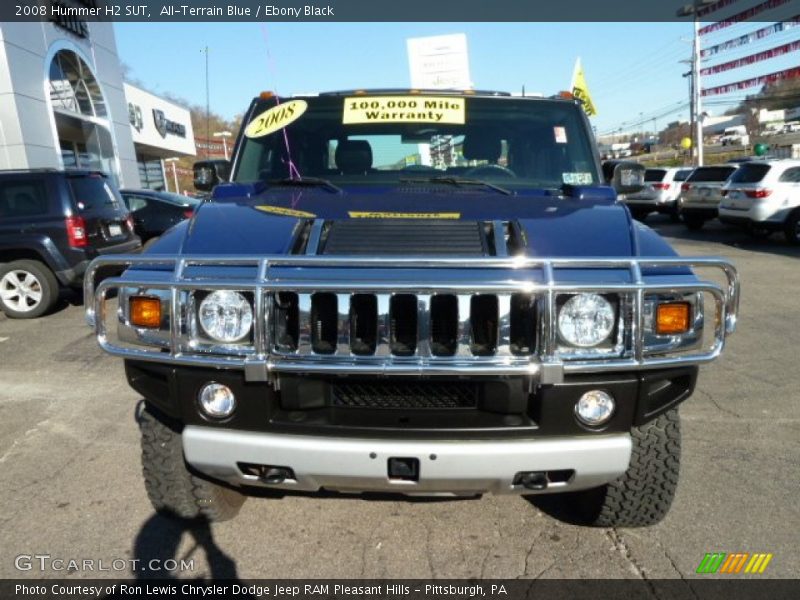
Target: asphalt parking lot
point(70, 483)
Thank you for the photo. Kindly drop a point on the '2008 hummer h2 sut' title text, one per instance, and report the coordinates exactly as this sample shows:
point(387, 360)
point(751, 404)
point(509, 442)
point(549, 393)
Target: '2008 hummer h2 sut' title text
point(414, 292)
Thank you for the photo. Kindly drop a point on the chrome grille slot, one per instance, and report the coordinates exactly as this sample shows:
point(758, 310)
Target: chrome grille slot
point(484, 324)
point(324, 322)
point(444, 325)
point(523, 324)
point(363, 324)
point(286, 315)
point(403, 318)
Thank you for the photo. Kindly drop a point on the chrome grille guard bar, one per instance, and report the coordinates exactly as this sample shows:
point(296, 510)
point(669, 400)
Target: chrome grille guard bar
point(544, 364)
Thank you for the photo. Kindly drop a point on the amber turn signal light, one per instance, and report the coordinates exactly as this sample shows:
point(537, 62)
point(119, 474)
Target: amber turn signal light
point(145, 311)
point(673, 318)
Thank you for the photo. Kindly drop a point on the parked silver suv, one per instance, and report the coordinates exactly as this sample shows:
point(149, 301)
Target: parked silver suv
point(700, 194)
point(764, 196)
point(660, 194)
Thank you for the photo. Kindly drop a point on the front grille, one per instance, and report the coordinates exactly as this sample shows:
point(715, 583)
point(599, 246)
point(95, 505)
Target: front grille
point(404, 325)
point(405, 395)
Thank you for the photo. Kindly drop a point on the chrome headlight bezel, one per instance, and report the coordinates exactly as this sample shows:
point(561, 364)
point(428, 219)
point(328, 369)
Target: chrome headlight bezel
point(195, 339)
point(236, 313)
point(612, 344)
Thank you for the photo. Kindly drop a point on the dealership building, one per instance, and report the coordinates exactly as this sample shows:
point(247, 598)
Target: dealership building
point(63, 104)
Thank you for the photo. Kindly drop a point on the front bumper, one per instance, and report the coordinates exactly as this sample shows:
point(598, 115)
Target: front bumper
point(359, 465)
point(694, 210)
point(761, 214)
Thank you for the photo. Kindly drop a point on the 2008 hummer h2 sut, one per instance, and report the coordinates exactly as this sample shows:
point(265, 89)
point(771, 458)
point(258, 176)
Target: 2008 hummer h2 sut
point(414, 292)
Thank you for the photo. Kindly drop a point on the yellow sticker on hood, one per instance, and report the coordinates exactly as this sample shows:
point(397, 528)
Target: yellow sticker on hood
point(286, 212)
point(275, 118)
point(403, 109)
point(398, 215)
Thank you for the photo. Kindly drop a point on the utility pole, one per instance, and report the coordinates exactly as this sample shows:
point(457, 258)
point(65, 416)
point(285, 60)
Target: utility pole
point(208, 111)
point(698, 103)
point(697, 90)
point(692, 112)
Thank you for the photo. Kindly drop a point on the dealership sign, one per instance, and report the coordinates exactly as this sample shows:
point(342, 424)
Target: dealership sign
point(165, 126)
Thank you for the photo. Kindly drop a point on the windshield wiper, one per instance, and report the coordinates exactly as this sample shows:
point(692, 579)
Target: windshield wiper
point(459, 181)
point(308, 182)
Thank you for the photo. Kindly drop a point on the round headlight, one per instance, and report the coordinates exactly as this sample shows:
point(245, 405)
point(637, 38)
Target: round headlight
point(225, 316)
point(217, 400)
point(594, 408)
point(586, 320)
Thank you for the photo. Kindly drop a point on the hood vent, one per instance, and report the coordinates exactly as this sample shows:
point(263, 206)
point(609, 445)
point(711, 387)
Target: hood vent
point(408, 237)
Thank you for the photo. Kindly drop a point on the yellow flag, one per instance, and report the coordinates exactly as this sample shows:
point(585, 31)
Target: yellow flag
point(580, 89)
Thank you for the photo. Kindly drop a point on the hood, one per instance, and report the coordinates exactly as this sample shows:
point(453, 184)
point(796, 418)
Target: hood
point(590, 223)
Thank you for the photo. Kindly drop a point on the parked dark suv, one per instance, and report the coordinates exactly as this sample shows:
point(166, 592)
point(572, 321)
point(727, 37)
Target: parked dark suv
point(52, 223)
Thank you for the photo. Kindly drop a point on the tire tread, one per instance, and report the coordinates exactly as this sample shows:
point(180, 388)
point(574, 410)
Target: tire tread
point(171, 486)
point(644, 494)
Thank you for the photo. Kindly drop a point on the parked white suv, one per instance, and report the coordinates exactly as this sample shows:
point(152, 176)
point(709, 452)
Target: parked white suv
point(764, 196)
point(660, 194)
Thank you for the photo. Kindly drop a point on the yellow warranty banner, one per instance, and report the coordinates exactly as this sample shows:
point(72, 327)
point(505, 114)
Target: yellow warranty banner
point(403, 109)
point(398, 215)
point(275, 118)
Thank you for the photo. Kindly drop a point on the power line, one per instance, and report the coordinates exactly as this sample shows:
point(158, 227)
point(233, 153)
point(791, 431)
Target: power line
point(639, 122)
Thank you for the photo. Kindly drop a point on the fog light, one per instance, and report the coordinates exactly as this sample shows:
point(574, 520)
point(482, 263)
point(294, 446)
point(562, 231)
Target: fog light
point(594, 408)
point(216, 400)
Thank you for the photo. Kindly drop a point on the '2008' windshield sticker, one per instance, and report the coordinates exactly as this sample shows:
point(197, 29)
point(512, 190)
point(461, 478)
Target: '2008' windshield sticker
point(577, 178)
point(286, 212)
point(403, 109)
point(275, 118)
point(560, 135)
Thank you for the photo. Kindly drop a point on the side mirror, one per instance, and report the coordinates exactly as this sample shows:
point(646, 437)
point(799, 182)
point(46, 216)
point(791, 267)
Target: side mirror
point(209, 173)
point(628, 177)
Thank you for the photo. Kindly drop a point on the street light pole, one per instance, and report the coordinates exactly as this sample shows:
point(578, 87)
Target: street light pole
point(174, 162)
point(224, 135)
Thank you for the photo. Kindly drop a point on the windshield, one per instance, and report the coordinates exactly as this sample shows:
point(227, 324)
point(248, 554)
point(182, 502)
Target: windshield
point(178, 199)
point(93, 192)
point(750, 173)
point(373, 140)
point(654, 175)
point(711, 173)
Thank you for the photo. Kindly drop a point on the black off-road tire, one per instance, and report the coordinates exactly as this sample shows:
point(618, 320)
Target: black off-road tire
point(759, 233)
point(791, 228)
point(46, 283)
point(643, 495)
point(172, 488)
point(693, 223)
